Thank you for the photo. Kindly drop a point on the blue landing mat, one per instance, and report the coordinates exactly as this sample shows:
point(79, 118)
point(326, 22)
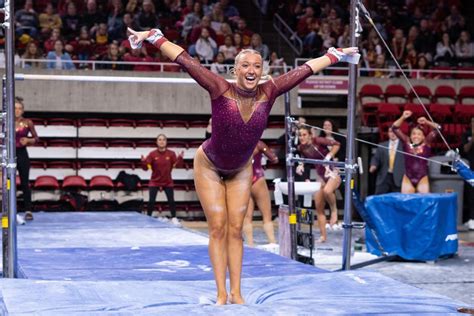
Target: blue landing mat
point(352, 293)
point(70, 220)
point(129, 264)
point(146, 264)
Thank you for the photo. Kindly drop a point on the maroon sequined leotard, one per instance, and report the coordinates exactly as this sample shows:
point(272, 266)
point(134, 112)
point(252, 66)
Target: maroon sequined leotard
point(233, 140)
point(260, 150)
point(318, 150)
point(415, 168)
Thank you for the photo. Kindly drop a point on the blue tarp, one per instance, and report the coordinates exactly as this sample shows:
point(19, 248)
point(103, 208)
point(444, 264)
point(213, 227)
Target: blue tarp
point(413, 226)
point(463, 170)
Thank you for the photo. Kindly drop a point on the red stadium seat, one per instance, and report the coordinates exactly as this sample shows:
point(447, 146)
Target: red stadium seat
point(198, 123)
point(94, 143)
point(417, 109)
point(146, 143)
point(148, 123)
point(423, 92)
point(387, 112)
point(468, 73)
point(35, 164)
point(61, 164)
point(175, 123)
point(444, 94)
point(466, 92)
point(396, 93)
point(122, 143)
point(93, 164)
point(369, 96)
point(122, 122)
point(74, 182)
point(46, 183)
point(62, 143)
point(121, 165)
point(463, 113)
point(441, 113)
point(101, 183)
point(93, 122)
point(62, 121)
point(38, 121)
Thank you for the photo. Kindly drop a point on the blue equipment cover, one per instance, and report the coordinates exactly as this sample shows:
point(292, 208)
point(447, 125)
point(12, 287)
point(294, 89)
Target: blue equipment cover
point(463, 170)
point(413, 226)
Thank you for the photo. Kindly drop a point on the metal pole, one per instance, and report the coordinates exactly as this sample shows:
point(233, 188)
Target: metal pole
point(289, 175)
point(5, 236)
point(346, 251)
point(10, 221)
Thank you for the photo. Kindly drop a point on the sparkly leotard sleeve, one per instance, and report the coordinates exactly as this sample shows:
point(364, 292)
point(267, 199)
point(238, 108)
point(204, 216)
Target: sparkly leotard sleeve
point(261, 149)
point(415, 168)
point(233, 140)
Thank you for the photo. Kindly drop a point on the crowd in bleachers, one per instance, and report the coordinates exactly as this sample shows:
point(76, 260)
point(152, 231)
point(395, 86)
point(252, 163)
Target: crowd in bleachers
point(66, 31)
point(421, 34)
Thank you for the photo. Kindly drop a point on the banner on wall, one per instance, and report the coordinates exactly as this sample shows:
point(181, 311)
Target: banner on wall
point(338, 85)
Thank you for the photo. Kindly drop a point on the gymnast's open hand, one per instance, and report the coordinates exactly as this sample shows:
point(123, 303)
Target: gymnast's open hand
point(137, 37)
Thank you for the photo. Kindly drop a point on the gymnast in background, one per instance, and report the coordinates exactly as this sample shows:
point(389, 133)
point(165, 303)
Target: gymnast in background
point(260, 195)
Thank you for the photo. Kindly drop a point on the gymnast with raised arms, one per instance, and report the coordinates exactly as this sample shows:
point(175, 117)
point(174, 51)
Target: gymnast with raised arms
point(223, 163)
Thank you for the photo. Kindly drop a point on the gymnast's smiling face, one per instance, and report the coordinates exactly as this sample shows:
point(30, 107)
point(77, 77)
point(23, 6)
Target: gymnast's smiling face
point(304, 136)
point(248, 70)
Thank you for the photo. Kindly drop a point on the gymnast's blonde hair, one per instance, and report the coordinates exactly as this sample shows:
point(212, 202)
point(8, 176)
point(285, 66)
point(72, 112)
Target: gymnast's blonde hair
point(265, 75)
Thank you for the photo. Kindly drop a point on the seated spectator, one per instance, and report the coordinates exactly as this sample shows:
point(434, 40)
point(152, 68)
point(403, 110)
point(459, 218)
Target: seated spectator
point(48, 20)
point(312, 42)
point(192, 19)
point(326, 36)
point(131, 7)
point(344, 40)
point(217, 17)
point(465, 48)
point(197, 30)
point(380, 63)
point(228, 50)
point(71, 22)
point(147, 19)
point(304, 22)
point(84, 46)
point(257, 45)
point(244, 32)
point(230, 12)
point(188, 8)
point(121, 34)
point(101, 36)
point(32, 52)
point(206, 47)
point(63, 6)
point(238, 42)
point(112, 55)
point(224, 31)
point(26, 20)
point(421, 64)
point(398, 45)
point(218, 65)
point(48, 45)
point(92, 17)
point(117, 22)
point(444, 51)
point(58, 59)
point(139, 55)
point(425, 42)
point(277, 65)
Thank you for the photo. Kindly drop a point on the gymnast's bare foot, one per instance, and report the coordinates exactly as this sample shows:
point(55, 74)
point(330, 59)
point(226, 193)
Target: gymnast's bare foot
point(221, 299)
point(236, 299)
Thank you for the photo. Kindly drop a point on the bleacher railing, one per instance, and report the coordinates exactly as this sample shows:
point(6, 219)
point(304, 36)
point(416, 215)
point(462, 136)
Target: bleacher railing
point(157, 66)
point(288, 34)
point(443, 73)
